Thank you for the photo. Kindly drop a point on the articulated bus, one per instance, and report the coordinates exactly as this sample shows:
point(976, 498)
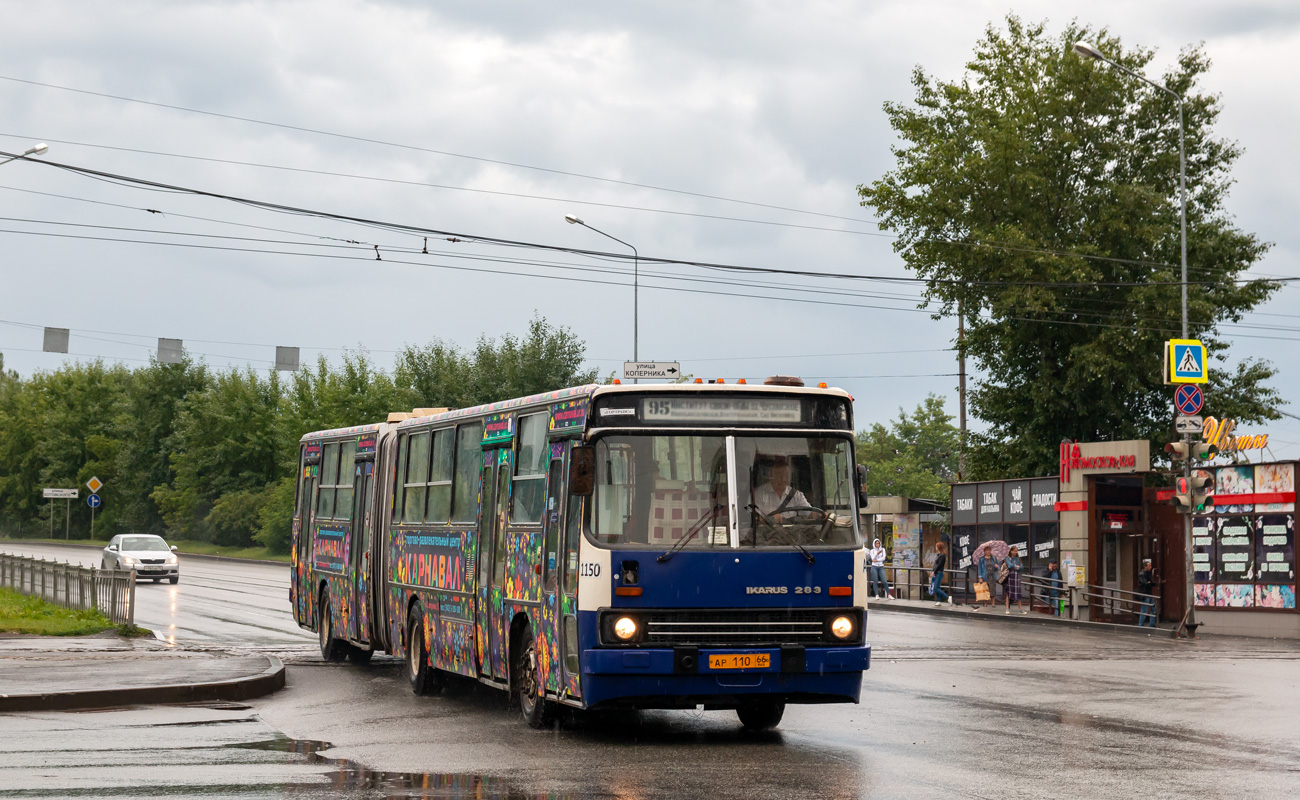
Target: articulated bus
point(669, 546)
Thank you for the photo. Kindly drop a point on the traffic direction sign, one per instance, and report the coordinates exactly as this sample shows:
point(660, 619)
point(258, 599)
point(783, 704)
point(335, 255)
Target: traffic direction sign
point(1188, 399)
point(651, 369)
point(60, 494)
point(93, 501)
point(94, 484)
point(1189, 424)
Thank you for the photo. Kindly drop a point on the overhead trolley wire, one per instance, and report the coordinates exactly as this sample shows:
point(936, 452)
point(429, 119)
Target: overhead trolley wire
point(418, 230)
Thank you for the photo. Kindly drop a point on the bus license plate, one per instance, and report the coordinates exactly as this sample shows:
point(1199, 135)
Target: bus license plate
point(740, 661)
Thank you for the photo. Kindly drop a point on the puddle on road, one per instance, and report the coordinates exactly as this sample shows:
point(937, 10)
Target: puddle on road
point(350, 779)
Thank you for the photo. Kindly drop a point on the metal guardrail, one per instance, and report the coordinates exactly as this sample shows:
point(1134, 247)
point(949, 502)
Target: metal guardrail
point(913, 583)
point(111, 591)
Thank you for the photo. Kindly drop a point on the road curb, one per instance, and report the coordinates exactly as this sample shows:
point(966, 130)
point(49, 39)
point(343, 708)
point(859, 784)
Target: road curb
point(207, 556)
point(268, 681)
point(1027, 619)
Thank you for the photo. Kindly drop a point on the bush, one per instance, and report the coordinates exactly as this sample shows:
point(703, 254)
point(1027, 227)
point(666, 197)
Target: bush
point(235, 517)
point(276, 517)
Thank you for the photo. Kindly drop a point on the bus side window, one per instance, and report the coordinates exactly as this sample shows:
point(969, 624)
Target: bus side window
point(550, 550)
point(465, 484)
point(329, 471)
point(572, 538)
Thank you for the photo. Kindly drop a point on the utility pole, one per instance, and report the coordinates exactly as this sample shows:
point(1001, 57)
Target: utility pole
point(961, 390)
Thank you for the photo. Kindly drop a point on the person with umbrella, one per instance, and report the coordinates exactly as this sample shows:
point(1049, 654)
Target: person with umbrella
point(988, 559)
point(1011, 567)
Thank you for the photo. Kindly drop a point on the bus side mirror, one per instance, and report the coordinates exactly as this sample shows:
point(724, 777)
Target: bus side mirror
point(582, 470)
point(860, 472)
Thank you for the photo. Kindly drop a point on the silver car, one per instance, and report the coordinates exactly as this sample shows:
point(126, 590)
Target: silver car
point(145, 553)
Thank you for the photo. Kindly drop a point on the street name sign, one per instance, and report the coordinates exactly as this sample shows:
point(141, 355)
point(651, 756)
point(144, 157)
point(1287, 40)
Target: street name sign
point(93, 501)
point(669, 370)
point(94, 484)
point(1186, 358)
point(1189, 424)
point(61, 494)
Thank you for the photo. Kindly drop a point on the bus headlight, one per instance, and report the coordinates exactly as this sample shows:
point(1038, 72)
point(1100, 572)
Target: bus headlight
point(625, 628)
point(842, 627)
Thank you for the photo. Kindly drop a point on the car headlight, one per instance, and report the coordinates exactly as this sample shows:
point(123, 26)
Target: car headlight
point(127, 561)
point(171, 559)
point(625, 628)
point(842, 627)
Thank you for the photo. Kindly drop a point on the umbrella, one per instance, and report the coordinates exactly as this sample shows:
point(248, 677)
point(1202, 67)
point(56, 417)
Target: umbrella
point(997, 550)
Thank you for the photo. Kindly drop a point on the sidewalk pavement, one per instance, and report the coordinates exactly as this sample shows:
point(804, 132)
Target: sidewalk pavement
point(55, 673)
point(997, 614)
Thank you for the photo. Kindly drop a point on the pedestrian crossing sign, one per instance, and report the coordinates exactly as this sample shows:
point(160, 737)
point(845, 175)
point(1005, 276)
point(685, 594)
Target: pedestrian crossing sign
point(1186, 359)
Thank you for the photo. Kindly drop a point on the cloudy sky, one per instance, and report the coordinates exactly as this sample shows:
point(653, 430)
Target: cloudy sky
point(718, 132)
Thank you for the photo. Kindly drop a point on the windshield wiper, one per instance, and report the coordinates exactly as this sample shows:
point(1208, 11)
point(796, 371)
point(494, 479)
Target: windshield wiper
point(710, 515)
point(789, 537)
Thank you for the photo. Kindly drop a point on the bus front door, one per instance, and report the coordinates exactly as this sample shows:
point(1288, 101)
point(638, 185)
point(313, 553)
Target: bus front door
point(359, 558)
point(490, 628)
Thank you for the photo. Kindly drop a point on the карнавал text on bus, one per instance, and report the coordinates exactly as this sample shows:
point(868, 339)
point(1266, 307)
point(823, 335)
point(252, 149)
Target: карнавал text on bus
point(668, 546)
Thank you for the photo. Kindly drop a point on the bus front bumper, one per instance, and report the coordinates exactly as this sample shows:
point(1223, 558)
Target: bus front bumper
point(683, 678)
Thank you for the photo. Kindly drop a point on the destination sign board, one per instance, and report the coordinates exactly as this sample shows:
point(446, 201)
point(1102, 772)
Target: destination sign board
point(721, 409)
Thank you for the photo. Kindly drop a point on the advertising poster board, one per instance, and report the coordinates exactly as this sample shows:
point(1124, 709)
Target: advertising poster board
point(1236, 562)
point(1203, 550)
point(1275, 548)
point(1275, 479)
point(907, 540)
point(1235, 480)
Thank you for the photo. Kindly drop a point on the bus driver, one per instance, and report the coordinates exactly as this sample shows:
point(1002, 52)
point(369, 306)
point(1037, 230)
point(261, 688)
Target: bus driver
point(777, 499)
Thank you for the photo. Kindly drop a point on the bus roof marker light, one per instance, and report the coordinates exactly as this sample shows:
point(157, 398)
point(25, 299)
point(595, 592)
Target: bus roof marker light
point(741, 381)
point(821, 385)
point(699, 380)
point(783, 380)
point(618, 382)
point(722, 380)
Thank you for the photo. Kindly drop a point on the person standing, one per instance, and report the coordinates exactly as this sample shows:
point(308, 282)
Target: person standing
point(876, 560)
point(1147, 596)
point(1011, 586)
point(983, 562)
point(936, 578)
point(1053, 577)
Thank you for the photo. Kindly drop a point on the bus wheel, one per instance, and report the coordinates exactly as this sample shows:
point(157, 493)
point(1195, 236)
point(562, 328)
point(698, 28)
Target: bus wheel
point(538, 711)
point(424, 679)
point(760, 715)
point(358, 656)
point(331, 649)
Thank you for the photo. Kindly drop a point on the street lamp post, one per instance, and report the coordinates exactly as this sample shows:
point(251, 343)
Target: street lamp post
point(34, 150)
point(573, 220)
point(1088, 51)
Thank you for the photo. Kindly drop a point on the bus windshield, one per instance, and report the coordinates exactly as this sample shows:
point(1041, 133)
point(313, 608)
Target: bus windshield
point(791, 491)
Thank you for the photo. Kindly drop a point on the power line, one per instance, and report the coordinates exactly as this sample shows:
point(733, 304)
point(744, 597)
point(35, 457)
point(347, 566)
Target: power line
point(433, 151)
point(417, 230)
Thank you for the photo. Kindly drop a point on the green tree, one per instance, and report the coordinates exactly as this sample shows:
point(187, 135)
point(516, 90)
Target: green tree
point(915, 456)
point(1039, 194)
point(225, 443)
point(145, 419)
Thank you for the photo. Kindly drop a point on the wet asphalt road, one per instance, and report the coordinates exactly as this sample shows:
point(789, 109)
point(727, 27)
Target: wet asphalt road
point(952, 708)
point(216, 602)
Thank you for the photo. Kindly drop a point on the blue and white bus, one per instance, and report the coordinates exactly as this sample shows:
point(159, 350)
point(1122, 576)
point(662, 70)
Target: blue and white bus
point(605, 546)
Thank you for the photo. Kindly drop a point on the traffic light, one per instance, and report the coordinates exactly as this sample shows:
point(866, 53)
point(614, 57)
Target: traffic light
point(1202, 451)
point(1178, 451)
point(1182, 497)
point(1200, 487)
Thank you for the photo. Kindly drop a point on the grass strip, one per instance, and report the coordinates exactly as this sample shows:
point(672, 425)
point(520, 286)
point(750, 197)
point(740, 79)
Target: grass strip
point(33, 616)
